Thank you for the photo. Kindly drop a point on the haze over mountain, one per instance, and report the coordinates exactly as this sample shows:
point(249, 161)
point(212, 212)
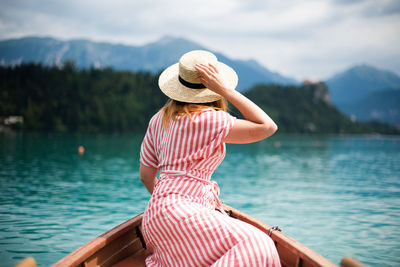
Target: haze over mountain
point(367, 93)
point(151, 57)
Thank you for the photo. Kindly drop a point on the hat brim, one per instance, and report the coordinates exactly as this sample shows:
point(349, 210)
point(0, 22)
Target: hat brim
point(171, 87)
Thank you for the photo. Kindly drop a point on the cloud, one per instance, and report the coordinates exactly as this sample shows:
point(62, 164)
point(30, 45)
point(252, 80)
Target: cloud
point(313, 39)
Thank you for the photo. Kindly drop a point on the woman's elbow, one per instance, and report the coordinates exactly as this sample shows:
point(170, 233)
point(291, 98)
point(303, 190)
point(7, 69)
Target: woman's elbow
point(270, 129)
point(274, 128)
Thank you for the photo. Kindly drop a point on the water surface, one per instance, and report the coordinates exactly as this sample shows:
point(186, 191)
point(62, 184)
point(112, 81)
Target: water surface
point(339, 195)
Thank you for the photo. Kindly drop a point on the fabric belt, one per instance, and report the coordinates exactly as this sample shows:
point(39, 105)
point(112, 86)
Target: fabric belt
point(214, 188)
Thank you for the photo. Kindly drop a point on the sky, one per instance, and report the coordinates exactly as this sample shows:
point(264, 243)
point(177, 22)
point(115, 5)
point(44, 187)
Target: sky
point(300, 39)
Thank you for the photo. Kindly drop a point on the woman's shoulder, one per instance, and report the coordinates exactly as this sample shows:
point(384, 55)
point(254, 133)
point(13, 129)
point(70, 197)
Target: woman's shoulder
point(157, 115)
point(157, 118)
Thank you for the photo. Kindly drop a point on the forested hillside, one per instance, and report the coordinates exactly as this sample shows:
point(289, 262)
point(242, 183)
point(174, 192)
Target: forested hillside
point(94, 100)
point(307, 109)
point(65, 99)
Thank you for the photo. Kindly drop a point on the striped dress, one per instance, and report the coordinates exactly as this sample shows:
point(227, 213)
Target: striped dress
point(183, 224)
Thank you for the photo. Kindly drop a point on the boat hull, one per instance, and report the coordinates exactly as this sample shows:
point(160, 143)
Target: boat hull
point(124, 246)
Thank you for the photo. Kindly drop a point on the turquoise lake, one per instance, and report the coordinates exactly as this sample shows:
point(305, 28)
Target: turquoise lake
point(339, 195)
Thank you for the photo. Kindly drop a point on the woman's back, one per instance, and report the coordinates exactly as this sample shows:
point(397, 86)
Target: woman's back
point(189, 144)
point(182, 212)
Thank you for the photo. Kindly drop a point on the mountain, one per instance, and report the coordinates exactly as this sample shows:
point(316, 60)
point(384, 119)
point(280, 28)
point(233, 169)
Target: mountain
point(379, 105)
point(367, 93)
point(359, 81)
point(151, 57)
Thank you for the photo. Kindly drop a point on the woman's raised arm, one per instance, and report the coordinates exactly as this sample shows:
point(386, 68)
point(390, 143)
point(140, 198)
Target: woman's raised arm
point(257, 126)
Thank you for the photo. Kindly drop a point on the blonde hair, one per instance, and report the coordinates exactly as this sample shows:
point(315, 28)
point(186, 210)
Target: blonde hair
point(174, 109)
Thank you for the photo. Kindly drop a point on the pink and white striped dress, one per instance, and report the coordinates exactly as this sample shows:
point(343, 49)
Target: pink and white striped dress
point(181, 224)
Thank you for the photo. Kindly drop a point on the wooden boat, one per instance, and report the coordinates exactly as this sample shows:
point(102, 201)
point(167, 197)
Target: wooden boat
point(124, 246)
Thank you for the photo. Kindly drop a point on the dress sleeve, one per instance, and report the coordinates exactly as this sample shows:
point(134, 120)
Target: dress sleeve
point(219, 124)
point(224, 123)
point(147, 151)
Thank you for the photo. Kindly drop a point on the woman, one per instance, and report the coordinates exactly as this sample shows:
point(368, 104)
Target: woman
point(184, 224)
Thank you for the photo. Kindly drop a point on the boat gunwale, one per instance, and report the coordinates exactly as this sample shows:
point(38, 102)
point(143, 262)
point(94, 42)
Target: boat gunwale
point(82, 253)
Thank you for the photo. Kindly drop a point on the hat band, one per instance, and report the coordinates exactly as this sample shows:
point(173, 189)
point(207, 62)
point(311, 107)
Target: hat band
point(191, 85)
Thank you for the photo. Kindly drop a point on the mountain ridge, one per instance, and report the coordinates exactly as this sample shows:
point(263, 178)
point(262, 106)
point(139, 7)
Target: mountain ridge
point(345, 85)
point(152, 57)
point(361, 92)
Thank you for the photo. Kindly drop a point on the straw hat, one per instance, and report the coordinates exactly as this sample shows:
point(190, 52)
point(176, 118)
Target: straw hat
point(181, 81)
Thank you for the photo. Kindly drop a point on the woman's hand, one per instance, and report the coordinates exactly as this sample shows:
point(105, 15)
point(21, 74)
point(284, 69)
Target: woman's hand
point(257, 126)
point(212, 79)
